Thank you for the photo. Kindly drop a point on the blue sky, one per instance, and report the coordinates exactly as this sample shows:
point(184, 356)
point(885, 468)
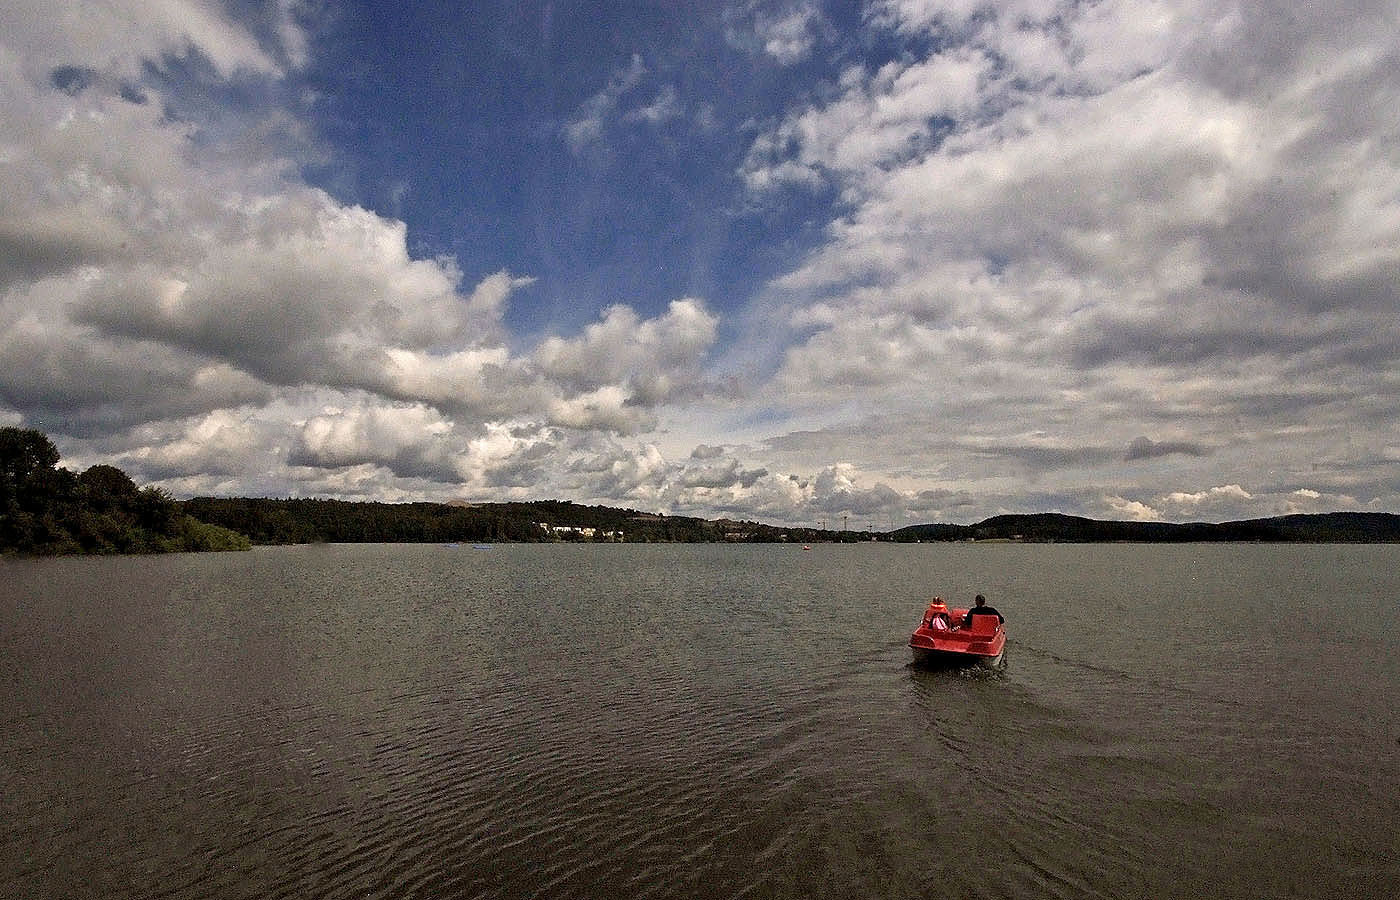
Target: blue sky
point(897, 261)
point(597, 147)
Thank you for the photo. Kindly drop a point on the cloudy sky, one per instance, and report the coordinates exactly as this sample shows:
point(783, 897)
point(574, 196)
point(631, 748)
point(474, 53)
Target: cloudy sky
point(879, 263)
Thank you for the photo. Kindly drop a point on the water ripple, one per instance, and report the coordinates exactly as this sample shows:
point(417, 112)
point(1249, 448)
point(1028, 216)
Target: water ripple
point(655, 723)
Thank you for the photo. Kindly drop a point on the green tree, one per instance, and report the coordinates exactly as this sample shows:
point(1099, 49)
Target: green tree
point(32, 491)
point(25, 454)
point(108, 487)
point(45, 509)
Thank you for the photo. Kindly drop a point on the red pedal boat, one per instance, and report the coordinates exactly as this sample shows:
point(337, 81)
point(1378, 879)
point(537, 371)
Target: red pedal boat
point(940, 639)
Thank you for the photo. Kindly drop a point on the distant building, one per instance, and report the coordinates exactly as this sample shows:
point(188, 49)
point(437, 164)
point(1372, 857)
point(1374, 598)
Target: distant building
point(579, 532)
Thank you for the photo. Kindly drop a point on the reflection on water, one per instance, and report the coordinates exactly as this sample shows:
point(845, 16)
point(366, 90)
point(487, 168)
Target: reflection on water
point(678, 721)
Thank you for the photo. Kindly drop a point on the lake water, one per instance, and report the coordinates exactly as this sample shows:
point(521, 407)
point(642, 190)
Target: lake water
point(700, 721)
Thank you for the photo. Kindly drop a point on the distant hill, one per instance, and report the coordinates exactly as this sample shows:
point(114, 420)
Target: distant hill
point(1338, 527)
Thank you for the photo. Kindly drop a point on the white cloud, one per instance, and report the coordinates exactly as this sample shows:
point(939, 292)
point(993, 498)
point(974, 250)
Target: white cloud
point(1060, 228)
point(1307, 500)
point(1225, 496)
point(295, 288)
point(602, 408)
point(1131, 510)
point(1229, 491)
point(790, 36)
point(1099, 236)
point(787, 32)
point(918, 16)
point(653, 360)
point(118, 36)
point(222, 443)
point(184, 311)
point(404, 437)
point(664, 108)
point(587, 128)
point(224, 285)
point(883, 118)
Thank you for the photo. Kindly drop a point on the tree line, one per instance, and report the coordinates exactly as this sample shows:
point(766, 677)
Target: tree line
point(46, 509)
point(1335, 527)
point(300, 521)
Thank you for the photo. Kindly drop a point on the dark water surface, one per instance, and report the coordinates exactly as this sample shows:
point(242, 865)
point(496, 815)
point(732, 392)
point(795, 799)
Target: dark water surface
point(699, 721)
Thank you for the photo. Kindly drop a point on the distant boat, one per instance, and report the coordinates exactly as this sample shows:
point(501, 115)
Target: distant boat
point(806, 546)
point(481, 546)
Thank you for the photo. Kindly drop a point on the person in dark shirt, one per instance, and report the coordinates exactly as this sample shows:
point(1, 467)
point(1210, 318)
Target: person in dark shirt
point(981, 609)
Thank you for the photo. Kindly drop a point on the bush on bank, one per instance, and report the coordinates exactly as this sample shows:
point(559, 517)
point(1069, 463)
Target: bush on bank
point(47, 510)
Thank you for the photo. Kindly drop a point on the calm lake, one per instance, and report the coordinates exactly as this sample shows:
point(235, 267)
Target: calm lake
point(365, 721)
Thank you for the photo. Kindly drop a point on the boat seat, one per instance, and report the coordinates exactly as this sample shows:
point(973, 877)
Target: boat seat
point(984, 625)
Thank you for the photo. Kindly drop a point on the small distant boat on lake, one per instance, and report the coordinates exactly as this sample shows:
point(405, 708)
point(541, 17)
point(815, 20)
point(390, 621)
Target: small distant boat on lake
point(938, 641)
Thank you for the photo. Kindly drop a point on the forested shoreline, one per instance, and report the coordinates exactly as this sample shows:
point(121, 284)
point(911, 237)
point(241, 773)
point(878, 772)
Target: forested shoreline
point(299, 521)
point(49, 510)
point(303, 520)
